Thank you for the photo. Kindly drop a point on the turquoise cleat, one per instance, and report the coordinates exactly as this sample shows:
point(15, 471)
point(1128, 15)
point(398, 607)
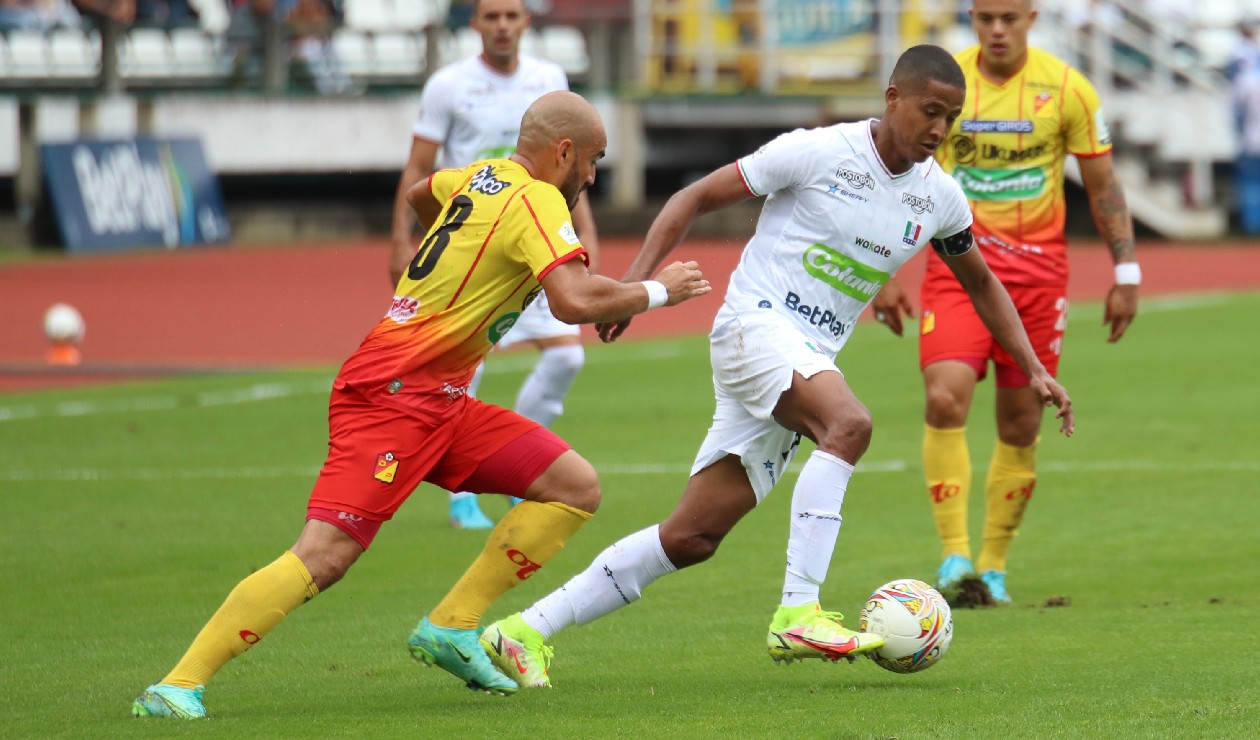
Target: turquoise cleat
point(952, 570)
point(467, 514)
point(165, 700)
point(996, 581)
point(458, 652)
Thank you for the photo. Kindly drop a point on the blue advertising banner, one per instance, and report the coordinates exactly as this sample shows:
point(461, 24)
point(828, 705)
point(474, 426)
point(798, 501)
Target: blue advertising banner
point(117, 194)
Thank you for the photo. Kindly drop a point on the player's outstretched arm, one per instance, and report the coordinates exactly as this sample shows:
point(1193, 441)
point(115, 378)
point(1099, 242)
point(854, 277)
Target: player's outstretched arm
point(578, 297)
point(719, 189)
point(994, 306)
point(1115, 224)
point(716, 190)
point(402, 244)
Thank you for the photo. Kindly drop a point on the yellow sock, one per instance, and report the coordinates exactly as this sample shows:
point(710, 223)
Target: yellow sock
point(254, 608)
point(947, 467)
point(528, 536)
point(1012, 476)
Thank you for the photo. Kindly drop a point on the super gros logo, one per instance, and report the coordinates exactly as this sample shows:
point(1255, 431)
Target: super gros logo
point(850, 277)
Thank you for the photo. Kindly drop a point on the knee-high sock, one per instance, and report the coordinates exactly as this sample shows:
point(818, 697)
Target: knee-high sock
point(252, 609)
point(815, 524)
point(615, 578)
point(947, 467)
point(473, 385)
point(528, 536)
point(541, 397)
point(1012, 476)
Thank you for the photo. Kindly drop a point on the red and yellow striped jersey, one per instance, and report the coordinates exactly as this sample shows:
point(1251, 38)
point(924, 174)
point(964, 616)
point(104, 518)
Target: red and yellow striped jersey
point(1007, 151)
point(499, 233)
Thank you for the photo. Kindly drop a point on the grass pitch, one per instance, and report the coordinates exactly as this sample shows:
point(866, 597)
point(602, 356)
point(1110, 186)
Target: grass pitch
point(130, 511)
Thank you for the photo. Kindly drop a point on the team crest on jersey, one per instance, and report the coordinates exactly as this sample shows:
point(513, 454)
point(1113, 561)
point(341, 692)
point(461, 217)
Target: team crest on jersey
point(1040, 101)
point(567, 233)
point(386, 467)
point(403, 309)
point(857, 180)
point(911, 236)
point(485, 182)
point(917, 204)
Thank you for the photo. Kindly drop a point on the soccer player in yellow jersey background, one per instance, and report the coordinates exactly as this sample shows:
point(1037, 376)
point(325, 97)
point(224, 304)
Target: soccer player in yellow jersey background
point(1025, 111)
point(400, 413)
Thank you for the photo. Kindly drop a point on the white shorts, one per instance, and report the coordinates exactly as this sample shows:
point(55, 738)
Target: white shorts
point(536, 322)
point(754, 358)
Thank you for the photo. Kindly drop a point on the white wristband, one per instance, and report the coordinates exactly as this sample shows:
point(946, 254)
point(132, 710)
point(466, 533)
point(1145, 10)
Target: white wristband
point(1128, 273)
point(658, 294)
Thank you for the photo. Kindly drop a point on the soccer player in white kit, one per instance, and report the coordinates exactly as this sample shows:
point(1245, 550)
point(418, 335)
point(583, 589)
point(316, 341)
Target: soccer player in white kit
point(469, 111)
point(848, 204)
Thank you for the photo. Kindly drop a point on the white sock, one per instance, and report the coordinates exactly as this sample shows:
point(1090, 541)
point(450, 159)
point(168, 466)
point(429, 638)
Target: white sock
point(816, 502)
point(615, 578)
point(541, 397)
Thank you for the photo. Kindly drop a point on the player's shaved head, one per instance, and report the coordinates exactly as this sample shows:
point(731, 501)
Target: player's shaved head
point(556, 116)
point(561, 140)
point(518, 5)
point(1023, 4)
point(921, 65)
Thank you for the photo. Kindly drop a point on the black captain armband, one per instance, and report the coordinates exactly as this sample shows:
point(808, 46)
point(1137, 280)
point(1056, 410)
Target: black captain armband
point(953, 246)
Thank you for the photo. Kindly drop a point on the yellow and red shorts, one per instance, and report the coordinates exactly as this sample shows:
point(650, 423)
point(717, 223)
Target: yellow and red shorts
point(950, 328)
point(378, 454)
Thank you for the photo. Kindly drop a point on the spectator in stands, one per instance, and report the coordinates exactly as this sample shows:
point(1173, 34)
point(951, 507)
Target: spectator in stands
point(165, 13)
point(1244, 75)
point(36, 15)
point(122, 12)
point(308, 25)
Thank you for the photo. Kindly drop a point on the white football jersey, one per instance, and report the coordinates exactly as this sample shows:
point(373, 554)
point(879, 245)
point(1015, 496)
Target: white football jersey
point(835, 228)
point(474, 112)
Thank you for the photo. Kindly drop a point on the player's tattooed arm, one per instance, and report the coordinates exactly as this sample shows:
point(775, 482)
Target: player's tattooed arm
point(1109, 208)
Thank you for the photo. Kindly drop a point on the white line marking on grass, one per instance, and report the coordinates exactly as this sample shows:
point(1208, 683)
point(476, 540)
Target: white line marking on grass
point(1184, 301)
point(271, 391)
point(76, 475)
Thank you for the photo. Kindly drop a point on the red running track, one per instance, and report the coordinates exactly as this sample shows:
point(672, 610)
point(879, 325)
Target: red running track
point(220, 307)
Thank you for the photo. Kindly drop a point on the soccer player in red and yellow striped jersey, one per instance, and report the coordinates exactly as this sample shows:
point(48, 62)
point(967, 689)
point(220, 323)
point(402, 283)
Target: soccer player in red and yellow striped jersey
point(1024, 113)
point(400, 413)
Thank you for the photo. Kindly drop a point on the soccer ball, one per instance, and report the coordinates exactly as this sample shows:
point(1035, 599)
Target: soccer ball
point(915, 622)
point(63, 323)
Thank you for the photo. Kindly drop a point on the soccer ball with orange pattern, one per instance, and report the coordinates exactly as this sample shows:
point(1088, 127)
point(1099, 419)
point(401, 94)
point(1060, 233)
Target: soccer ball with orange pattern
point(915, 622)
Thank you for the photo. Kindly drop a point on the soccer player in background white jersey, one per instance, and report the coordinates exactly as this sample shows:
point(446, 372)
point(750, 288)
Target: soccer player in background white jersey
point(847, 205)
point(469, 111)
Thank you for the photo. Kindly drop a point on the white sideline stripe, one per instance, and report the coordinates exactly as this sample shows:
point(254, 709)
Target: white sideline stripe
point(270, 391)
point(302, 471)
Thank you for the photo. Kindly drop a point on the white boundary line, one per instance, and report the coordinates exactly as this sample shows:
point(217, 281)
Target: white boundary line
point(512, 363)
point(91, 475)
point(270, 391)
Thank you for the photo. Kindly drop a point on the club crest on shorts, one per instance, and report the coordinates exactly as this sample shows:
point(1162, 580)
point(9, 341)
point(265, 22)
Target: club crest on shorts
point(386, 467)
